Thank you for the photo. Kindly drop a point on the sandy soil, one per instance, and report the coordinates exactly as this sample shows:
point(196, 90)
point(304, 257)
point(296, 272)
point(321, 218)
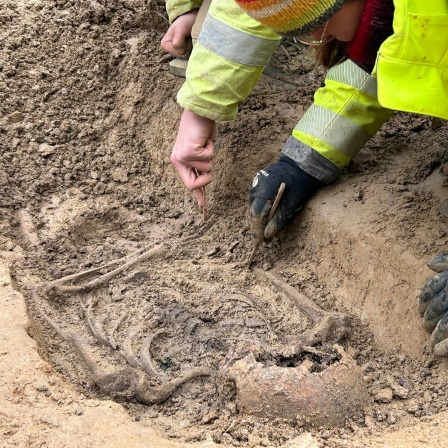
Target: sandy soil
point(87, 122)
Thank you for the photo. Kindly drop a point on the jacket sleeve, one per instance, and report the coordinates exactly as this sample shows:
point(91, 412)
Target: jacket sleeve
point(344, 116)
point(226, 62)
point(412, 64)
point(176, 8)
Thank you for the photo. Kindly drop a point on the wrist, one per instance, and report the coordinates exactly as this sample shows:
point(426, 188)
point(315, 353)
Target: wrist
point(189, 115)
point(189, 15)
point(174, 14)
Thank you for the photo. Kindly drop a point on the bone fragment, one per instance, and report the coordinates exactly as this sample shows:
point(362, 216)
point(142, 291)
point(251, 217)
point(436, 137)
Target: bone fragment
point(129, 353)
point(313, 399)
point(27, 228)
point(96, 329)
point(327, 325)
point(305, 305)
point(122, 383)
point(78, 276)
point(147, 362)
point(58, 286)
point(113, 330)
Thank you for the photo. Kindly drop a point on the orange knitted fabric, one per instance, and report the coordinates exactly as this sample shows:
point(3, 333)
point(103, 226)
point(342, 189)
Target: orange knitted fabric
point(291, 17)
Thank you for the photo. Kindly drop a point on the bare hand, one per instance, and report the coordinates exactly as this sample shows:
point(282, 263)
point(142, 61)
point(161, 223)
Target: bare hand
point(177, 39)
point(193, 152)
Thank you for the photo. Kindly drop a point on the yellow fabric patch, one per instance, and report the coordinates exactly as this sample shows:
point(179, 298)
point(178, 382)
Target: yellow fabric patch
point(353, 104)
point(323, 148)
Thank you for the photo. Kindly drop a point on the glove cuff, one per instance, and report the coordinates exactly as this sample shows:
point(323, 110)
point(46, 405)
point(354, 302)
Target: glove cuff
point(307, 183)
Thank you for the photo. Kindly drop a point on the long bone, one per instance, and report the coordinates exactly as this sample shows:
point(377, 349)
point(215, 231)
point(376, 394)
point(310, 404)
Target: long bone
point(60, 286)
point(327, 324)
point(123, 383)
point(63, 286)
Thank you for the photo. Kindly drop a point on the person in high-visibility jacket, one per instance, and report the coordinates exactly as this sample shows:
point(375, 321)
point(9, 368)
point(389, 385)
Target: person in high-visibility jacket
point(383, 55)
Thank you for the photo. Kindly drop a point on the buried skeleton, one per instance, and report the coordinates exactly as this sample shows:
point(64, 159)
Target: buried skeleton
point(320, 370)
point(176, 338)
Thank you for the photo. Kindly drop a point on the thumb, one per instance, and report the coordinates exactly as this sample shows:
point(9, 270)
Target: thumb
point(258, 220)
point(274, 225)
point(181, 44)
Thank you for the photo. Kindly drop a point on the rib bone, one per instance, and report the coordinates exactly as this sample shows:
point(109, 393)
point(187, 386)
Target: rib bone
point(123, 383)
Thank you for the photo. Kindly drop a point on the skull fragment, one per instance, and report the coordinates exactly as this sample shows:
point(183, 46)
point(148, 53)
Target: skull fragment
point(314, 399)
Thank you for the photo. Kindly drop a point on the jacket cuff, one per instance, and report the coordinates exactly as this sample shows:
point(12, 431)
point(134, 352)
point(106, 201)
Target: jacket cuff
point(175, 9)
point(207, 89)
point(310, 161)
point(204, 110)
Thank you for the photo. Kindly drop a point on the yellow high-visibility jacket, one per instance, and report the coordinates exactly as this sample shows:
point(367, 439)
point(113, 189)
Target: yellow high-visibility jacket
point(411, 74)
point(176, 8)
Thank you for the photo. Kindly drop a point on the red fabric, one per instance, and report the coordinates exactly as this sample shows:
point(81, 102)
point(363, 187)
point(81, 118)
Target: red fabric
point(375, 27)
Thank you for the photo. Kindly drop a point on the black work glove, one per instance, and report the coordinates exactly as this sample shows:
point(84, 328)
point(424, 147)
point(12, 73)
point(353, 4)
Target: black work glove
point(300, 186)
point(433, 305)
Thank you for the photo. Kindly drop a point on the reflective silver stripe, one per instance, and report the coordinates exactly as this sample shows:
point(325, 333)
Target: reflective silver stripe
point(311, 161)
point(349, 73)
point(235, 45)
point(333, 129)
